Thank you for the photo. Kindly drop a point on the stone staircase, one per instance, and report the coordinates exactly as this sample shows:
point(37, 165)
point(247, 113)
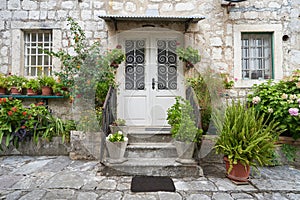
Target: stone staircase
point(150, 152)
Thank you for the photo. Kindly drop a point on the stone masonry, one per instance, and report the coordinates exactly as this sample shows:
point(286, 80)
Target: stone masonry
point(213, 36)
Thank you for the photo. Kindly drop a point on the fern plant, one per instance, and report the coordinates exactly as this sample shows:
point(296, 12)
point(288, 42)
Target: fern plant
point(245, 136)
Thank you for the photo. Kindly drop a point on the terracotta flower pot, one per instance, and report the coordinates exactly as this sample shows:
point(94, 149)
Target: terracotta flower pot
point(31, 92)
point(2, 90)
point(46, 91)
point(14, 90)
point(239, 172)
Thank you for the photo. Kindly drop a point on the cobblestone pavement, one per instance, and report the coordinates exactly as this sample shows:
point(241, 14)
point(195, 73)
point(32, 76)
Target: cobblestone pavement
point(58, 177)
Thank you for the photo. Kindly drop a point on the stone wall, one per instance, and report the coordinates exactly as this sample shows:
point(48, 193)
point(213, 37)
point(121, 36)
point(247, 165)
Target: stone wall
point(213, 36)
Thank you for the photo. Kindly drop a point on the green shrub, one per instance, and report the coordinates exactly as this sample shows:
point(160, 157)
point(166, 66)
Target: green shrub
point(281, 100)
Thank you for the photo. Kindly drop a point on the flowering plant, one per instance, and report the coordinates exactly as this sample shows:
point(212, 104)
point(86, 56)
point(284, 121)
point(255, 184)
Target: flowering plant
point(18, 82)
point(117, 137)
point(281, 100)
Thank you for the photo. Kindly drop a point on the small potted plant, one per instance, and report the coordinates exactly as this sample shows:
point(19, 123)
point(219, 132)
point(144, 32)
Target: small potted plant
point(188, 55)
point(3, 84)
point(119, 125)
point(59, 89)
point(47, 83)
point(183, 129)
point(116, 56)
point(245, 139)
point(116, 144)
point(33, 87)
point(16, 84)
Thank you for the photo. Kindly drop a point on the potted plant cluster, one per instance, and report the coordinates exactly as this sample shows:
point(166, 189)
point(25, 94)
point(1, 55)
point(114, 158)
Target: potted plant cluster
point(16, 84)
point(116, 56)
point(119, 125)
point(33, 87)
point(116, 144)
point(47, 82)
point(183, 129)
point(188, 55)
point(245, 139)
point(3, 84)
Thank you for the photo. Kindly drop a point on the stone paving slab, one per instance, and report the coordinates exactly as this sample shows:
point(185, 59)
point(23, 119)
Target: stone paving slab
point(59, 177)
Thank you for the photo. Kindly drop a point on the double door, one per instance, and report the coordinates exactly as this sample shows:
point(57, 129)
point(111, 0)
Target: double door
point(149, 79)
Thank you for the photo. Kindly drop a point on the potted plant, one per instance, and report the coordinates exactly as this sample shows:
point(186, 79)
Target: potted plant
point(116, 56)
point(33, 87)
point(188, 55)
point(3, 84)
point(116, 144)
point(119, 125)
point(245, 138)
point(16, 84)
point(47, 83)
point(183, 129)
point(59, 89)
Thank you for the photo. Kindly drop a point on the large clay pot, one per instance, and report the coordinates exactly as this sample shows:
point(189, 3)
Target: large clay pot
point(116, 151)
point(238, 173)
point(46, 91)
point(185, 151)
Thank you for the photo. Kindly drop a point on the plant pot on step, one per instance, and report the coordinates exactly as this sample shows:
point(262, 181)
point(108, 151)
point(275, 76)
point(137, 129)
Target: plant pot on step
point(239, 172)
point(185, 152)
point(46, 91)
point(116, 151)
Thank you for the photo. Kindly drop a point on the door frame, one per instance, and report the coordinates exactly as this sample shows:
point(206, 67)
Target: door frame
point(151, 36)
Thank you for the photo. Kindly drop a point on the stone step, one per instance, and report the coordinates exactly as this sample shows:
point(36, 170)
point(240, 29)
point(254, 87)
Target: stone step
point(151, 167)
point(151, 150)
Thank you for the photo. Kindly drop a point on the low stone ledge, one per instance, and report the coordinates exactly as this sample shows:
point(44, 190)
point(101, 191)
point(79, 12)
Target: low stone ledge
point(43, 147)
point(85, 145)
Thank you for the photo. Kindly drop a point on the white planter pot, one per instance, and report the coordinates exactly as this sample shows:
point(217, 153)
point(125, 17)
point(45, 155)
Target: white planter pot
point(116, 151)
point(185, 152)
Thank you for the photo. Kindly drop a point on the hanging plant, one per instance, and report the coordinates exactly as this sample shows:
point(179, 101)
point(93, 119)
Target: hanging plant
point(188, 55)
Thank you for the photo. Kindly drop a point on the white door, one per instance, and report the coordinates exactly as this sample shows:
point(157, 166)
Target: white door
point(150, 78)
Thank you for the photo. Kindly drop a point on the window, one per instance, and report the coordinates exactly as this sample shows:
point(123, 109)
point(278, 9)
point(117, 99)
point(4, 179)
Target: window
point(36, 61)
point(258, 53)
point(256, 56)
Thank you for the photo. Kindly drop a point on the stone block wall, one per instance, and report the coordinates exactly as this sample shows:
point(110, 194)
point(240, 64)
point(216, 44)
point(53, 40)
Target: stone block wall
point(213, 36)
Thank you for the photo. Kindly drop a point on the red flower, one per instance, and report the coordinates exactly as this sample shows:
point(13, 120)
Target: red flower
point(10, 113)
point(14, 109)
point(24, 113)
point(23, 127)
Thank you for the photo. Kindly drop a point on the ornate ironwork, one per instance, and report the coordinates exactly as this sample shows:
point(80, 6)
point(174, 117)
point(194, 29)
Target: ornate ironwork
point(167, 64)
point(135, 65)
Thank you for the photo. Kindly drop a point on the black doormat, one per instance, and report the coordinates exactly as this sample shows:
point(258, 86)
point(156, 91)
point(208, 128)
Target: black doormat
point(152, 184)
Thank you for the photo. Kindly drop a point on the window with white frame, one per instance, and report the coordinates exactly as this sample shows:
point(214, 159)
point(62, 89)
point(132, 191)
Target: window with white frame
point(37, 62)
point(256, 49)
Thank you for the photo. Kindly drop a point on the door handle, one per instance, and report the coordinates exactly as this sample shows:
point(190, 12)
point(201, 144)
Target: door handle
point(153, 84)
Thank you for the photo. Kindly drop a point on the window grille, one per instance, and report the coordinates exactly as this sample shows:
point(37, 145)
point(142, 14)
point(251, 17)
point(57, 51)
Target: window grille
point(37, 62)
point(256, 56)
